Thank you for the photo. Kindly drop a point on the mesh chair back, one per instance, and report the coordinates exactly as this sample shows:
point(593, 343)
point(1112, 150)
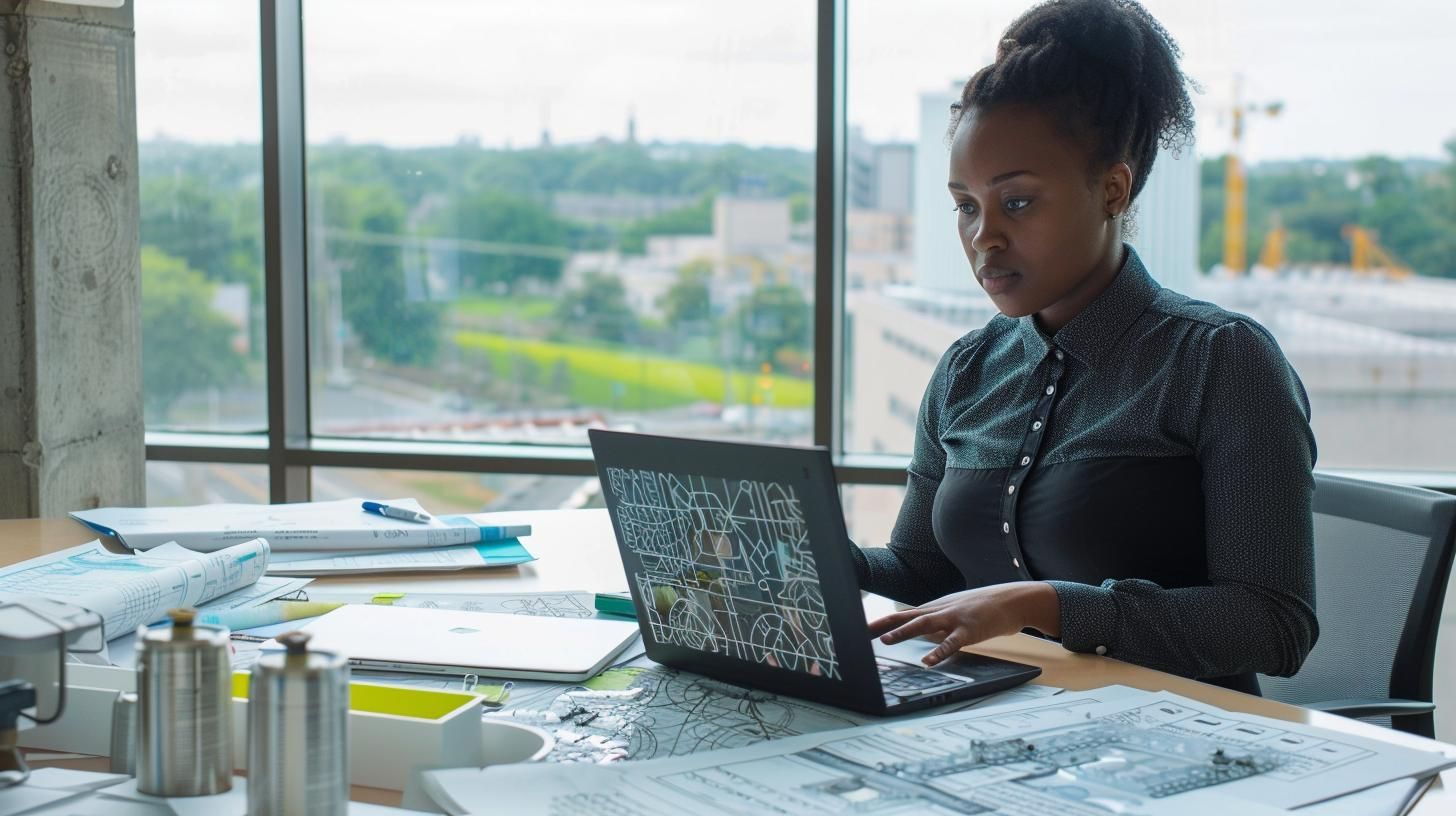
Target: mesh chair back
point(1382, 558)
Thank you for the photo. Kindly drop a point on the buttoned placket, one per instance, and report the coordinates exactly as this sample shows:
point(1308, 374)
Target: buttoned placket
point(1026, 458)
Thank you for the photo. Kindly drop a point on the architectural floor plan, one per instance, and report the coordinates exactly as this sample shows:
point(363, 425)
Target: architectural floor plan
point(1112, 750)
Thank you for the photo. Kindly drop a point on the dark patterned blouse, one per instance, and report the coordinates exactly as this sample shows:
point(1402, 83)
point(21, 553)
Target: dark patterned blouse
point(1151, 461)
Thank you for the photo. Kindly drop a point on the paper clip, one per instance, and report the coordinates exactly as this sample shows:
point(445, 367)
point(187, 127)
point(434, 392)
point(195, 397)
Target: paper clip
point(496, 695)
point(469, 682)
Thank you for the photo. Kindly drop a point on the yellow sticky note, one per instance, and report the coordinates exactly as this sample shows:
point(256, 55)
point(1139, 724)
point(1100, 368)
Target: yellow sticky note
point(614, 679)
point(494, 693)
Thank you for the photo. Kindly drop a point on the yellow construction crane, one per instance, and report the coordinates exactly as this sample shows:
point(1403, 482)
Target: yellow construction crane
point(1272, 255)
point(1368, 257)
point(1235, 189)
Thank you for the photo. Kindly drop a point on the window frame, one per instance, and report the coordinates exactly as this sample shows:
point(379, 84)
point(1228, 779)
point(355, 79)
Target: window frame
point(289, 448)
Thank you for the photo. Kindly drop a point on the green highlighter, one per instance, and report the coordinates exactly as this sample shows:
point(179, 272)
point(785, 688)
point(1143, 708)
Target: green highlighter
point(616, 603)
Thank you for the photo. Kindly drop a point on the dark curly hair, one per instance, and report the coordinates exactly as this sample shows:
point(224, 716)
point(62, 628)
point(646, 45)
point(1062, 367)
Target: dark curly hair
point(1106, 70)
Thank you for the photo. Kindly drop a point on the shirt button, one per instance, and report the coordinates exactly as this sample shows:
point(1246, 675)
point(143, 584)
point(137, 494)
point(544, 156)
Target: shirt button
point(1060, 355)
point(1051, 388)
point(1016, 563)
point(1036, 426)
point(1025, 460)
point(1005, 526)
point(1010, 489)
point(1102, 650)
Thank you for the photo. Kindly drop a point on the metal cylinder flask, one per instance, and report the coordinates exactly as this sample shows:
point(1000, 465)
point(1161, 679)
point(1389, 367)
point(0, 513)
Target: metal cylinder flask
point(298, 719)
point(123, 733)
point(184, 709)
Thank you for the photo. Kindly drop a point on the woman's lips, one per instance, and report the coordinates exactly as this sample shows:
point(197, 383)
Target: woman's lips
point(996, 280)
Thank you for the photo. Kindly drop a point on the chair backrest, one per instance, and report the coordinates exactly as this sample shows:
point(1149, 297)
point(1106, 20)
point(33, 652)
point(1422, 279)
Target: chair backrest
point(1382, 556)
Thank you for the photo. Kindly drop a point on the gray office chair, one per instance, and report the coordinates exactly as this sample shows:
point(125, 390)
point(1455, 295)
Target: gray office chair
point(1382, 556)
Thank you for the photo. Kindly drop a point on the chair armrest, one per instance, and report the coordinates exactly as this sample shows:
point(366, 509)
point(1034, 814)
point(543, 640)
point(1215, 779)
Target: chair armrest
point(1372, 707)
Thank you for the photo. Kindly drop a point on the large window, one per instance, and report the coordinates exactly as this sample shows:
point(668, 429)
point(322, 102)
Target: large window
point(522, 221)
point(446, 492)
point(519, 220)
point(1346, 227)
point(198, 128)
point(189, 483)
point(528, 219)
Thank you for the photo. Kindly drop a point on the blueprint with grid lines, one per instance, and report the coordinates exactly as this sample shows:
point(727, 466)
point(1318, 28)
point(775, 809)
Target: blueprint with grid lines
point(1092, 753)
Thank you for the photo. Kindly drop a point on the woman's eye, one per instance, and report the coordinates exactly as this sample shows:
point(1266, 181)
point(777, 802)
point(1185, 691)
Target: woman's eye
point(966, 208)
point(1016, 204)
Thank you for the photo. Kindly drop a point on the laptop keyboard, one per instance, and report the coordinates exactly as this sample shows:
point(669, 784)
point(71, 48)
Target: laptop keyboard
point(908, 680)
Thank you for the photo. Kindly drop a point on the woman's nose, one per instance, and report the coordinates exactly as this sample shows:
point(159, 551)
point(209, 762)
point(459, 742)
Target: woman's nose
point(987, 235)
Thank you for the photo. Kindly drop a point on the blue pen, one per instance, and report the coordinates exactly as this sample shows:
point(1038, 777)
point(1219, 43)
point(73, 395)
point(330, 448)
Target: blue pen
point(401, 513)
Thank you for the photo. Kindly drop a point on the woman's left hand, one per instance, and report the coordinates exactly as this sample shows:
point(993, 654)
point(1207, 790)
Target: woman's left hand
point(965, 618)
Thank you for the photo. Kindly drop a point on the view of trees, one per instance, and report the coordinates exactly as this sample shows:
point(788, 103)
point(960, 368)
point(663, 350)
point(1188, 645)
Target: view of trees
point(1411, 205)
point(687, 304)
point(774, 321)
point(369, 261)
point(186, 344)
point(382, 219)
point(597, 310)
point(696, 219)
point(531, 244)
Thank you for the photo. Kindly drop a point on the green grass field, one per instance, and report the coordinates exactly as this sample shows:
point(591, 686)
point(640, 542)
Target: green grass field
point(608, 377)
point(524, 308)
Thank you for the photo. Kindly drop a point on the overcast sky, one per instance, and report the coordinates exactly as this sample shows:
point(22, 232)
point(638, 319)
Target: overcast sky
point(1355, 78)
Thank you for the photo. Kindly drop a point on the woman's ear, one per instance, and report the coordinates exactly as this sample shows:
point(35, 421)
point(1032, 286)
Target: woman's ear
point(1117, 189)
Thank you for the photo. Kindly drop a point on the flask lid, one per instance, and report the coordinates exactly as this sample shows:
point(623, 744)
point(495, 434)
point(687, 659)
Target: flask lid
point(295, 643)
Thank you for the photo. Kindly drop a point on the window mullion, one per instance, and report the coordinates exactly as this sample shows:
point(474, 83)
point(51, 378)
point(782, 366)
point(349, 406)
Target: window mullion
point(284, 244)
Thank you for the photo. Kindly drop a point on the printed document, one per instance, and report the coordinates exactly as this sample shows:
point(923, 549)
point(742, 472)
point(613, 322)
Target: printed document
point(438, 559)
point(121, 651)
point(540, 604)
point(1090, 753)
point(332, 525)
point(134, 589)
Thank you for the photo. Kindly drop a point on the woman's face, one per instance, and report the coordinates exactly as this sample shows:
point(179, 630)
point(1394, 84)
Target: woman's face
point(1037, 228)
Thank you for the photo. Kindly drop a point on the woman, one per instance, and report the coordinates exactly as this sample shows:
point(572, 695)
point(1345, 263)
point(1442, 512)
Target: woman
point(1107, 462)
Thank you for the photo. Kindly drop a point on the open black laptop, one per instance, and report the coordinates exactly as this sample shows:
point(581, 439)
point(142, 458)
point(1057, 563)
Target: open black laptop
point(739, 567)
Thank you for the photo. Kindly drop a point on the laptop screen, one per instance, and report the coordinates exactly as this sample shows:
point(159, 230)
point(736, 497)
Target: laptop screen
point(725, 566)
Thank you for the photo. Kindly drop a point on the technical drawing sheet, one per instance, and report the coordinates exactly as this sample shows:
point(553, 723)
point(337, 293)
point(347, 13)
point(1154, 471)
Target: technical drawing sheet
point(507, 553)
point(121, 650)
point(540, 604)
point(340, 525)
point(1112, 750)
point(128, 591)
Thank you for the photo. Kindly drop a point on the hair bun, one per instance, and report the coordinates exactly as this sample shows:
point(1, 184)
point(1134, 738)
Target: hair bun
point(1105, 69)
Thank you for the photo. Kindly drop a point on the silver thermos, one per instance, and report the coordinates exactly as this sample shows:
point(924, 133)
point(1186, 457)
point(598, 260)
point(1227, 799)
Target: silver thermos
point(123, 733)
point(298, 720)
point(184, 709)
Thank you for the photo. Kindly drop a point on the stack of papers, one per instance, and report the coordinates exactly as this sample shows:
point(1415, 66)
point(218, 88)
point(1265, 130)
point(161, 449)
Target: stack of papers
point(443, 559)
point(321, 538)
point(132, 590)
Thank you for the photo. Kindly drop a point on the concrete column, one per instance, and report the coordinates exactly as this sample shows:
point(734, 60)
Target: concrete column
point(70, 284)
